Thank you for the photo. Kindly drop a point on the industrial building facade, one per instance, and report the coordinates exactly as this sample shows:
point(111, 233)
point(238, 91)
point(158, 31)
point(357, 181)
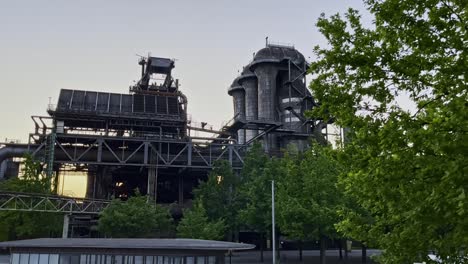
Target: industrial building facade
point(142, 139)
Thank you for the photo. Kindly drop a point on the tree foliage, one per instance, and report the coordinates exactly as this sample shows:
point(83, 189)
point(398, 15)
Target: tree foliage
point(308, 198)
point(135, 218)
point(219, 196)
point(195, 224)
point(255, 190)
point(408, 165)
point(22, 225)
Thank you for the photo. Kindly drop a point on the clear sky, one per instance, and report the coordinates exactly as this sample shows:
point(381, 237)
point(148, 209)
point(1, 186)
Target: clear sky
point(91, 45)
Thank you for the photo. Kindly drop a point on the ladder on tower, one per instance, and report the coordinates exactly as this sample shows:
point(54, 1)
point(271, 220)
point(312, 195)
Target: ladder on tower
point(49, 152)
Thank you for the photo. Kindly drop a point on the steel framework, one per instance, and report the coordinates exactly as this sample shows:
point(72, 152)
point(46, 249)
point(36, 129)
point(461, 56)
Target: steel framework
point(27, 202)
point(145, 152)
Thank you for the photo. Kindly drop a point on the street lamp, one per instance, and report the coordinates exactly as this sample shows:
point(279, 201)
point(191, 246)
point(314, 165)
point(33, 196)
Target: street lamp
point(273, 221)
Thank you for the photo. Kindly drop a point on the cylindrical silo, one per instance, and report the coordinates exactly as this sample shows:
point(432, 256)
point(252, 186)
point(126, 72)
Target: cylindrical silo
point(267, 103)
point(265, 66)
point(248, 80)
point(276, 97)
point(238, 95)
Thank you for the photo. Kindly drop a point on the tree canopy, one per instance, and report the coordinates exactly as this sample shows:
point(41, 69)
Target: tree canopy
point(135, 218)
point(408, 164)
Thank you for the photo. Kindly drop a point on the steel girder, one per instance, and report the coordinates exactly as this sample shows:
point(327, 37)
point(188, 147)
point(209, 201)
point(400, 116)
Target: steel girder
point(11, 201)
point(128, 151)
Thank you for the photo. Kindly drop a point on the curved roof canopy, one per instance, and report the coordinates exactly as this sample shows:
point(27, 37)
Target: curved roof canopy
point(126, 243)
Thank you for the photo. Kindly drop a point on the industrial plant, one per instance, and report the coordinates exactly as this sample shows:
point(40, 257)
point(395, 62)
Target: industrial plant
point(270, 99)
point(143, 139)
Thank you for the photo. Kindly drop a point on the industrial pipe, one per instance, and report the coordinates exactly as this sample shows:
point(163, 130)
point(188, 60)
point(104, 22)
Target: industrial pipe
point(13, 151)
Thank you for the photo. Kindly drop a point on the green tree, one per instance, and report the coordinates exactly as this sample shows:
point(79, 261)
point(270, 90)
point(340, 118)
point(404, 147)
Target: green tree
point(219, 196)
point(195, 224)
point(307, 196)
point(255, 192)
point(135, 218)
point(408, 165)
point(22, 225)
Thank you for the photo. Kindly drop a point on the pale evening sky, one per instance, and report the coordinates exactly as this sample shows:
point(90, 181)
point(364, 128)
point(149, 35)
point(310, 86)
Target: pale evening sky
point(91, 45)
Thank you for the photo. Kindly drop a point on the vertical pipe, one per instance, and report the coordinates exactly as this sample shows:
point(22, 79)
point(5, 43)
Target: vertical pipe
point(230, 154)
point(181, 189)
point(167, 105)
point(145, 156)
point(96, 105)
point(71, 99)
point(248, 81)
point(3, 168)
point(120, 104)
point(267, 97)
point(273, 237)
point(239, 111)
point(66, 223)
point(94, 185)
point(83, 103)
point(108, 102)
point(189, 154)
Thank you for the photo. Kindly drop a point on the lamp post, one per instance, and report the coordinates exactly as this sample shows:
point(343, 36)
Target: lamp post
point(273, 221)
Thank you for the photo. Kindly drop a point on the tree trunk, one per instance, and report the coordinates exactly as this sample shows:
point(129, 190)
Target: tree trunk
point(261, 247)
point(323, 249)
point(345, 251)
point(364, 253)
point(236, 235)
point(300, 250)
point(278, 251)
point(340, 248)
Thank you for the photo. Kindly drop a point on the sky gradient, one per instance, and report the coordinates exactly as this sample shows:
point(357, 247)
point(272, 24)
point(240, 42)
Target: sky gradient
point(92, 45)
